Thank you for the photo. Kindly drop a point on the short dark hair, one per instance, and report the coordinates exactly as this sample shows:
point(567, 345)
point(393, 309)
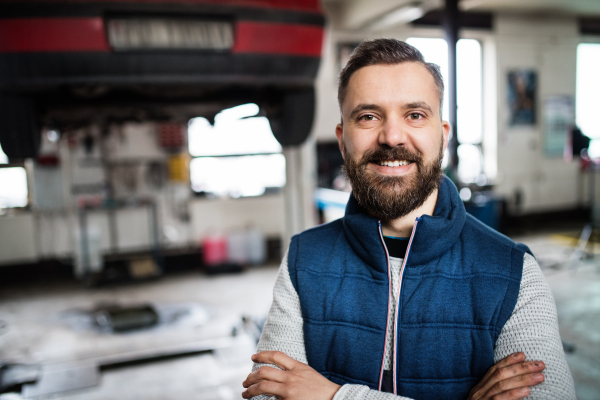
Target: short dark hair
point(386, 51)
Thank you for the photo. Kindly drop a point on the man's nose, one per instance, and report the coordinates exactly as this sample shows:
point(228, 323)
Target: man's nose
point(392, 133)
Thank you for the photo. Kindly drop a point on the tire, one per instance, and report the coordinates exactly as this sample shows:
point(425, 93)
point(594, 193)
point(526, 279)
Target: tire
point(293, 122)
point(19, 134)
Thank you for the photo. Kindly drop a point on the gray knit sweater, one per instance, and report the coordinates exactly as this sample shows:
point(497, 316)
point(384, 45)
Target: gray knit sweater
point(532, 328)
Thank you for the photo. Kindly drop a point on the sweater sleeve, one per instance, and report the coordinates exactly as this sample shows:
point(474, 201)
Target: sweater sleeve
point(283, 330)
point(533, 329)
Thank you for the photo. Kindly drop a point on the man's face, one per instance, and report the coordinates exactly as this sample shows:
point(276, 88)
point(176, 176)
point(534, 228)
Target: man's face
point(392, 138)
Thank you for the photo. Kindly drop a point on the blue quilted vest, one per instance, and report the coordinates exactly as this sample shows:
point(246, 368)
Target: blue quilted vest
point(459, 285)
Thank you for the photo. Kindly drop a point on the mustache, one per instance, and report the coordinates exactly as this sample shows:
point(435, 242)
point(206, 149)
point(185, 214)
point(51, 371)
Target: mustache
point(391, 153)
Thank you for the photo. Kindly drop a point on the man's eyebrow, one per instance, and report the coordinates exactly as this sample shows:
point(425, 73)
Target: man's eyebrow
point(418, 104)
point(362, 107)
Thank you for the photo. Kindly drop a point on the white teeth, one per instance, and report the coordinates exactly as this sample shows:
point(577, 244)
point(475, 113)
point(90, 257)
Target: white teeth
point(393, 163)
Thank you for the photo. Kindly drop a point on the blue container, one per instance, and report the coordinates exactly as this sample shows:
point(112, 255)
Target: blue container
point(486, 209)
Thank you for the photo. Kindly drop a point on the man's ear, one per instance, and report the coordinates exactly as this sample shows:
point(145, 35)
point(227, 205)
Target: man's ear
point(445, 133)
point(339, 133)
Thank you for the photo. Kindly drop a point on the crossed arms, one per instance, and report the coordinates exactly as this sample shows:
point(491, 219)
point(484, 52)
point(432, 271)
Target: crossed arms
point(532, 329)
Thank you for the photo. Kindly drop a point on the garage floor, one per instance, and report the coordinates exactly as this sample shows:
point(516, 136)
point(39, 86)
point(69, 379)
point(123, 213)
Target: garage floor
point(577, 296)
point(46, 324)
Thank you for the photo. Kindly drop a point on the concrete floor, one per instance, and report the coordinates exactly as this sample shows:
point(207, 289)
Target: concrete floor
point(577, 296)
point(42, 326)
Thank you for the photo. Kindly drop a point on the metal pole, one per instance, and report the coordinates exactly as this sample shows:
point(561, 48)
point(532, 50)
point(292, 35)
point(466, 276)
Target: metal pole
point(294, 216)
point(155, 238)
point(451, 28)
point(85, 245)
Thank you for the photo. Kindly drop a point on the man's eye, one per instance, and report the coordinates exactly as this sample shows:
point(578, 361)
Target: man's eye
point(367, 118)
point(415, 116)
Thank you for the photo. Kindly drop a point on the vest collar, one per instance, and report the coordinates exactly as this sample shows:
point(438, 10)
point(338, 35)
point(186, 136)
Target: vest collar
point(434, 235)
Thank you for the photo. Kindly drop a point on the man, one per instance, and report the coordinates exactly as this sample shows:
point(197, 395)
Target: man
point(407, 294)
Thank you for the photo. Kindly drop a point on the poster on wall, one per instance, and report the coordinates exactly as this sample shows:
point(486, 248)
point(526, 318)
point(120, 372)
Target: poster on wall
point(522, 87)
point(559, 119)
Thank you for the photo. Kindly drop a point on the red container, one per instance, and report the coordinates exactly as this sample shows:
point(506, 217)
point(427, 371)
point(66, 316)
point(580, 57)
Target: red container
point(214, 250)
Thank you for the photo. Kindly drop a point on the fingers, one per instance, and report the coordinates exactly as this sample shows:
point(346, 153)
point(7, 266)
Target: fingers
point(264, 387)
point(518, 370)
point(505, 362)
point(264, 373)
point(516, 382)
point(278, 358)
point(487, 382)
point(509, 378)
point(296, 380)
point(511, 359)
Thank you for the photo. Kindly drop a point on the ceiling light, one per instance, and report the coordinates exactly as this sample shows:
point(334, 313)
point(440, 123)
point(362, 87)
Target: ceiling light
point(401, 15)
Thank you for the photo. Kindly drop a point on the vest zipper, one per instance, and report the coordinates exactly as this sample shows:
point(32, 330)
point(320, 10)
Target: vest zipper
point(387, 320)
point(387, 255)
point(398, 301)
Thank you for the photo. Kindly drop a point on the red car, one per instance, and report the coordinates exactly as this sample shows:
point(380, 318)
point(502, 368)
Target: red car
point(69, 63)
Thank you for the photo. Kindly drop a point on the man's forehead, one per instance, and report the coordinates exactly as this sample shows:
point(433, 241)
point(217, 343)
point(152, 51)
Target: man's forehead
point(404, 83)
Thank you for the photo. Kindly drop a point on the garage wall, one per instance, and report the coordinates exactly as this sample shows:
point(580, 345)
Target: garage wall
point(28, 237)
point(17, 239)
point(548, 46)
point(50, 229)
point(266, 212)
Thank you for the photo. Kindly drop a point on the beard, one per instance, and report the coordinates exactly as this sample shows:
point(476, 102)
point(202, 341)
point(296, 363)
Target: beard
point(392, 197)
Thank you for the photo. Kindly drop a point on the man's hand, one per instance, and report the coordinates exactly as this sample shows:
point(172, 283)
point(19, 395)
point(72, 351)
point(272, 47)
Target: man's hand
point(295, 380)
point(509, 379)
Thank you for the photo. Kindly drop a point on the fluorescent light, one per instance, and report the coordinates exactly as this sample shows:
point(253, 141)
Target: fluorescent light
point(400, 15)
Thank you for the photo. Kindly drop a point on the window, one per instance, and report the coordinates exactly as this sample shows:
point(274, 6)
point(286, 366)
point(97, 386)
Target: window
point(13, 184)
point(13, 190)
point(237, 157)
point(588, 87)
point(3, 157)
point(470, 102)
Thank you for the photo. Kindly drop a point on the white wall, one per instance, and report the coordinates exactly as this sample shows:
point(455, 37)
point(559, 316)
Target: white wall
point(266, 212)
point(17, 239)
point(547, 45)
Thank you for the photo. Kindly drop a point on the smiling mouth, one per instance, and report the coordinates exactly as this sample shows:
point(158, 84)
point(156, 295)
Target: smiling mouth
point(393, 163)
